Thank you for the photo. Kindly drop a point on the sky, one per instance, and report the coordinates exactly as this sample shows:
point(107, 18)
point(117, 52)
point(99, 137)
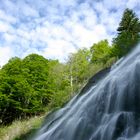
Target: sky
point(56, 28)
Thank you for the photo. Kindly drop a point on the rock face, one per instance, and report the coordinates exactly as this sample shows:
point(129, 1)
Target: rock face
point(108, 108)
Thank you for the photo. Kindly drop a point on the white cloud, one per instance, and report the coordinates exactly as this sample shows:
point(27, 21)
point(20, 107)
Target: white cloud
point(115, 4)
point(56, 28)
point(5, 27)
point(23, 34)
point(9, 37)
point(133, 3)
point(7, 18)
point(5, 55)
point(28, 10)
point(59, 50)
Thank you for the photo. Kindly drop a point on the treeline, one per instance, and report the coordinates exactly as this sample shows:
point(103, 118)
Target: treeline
point(32, 85)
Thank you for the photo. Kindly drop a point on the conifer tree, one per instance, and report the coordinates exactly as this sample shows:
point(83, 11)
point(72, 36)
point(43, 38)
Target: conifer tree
point(128, 33)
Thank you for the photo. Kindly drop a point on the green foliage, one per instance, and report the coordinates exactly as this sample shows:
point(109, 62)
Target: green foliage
point(58, 76)
point(24, 90)
point(59, 99)
point(77, 67)
point(101, 52)
point(128, 33)
point(60, 84)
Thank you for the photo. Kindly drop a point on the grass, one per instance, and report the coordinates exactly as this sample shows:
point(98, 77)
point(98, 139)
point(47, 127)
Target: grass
point(20, 130)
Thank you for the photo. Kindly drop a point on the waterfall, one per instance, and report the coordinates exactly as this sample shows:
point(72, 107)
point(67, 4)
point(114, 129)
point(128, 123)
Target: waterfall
point(108, 107)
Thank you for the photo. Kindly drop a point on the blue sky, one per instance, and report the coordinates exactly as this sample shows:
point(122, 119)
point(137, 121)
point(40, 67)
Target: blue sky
point(55, 28)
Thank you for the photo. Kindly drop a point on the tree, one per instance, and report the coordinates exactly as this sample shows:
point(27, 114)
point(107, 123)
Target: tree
point(101, 52)
point(128, 33)
point(60, 86)
point(24, 87)
point(78, 67)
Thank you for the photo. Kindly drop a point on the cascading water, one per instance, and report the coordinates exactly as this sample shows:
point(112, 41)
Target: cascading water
point(108, 108)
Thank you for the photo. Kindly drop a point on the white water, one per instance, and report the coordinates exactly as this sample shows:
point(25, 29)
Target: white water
point(108, 109)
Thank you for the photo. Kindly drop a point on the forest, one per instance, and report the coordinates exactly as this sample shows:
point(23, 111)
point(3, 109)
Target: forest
point(34, 85)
